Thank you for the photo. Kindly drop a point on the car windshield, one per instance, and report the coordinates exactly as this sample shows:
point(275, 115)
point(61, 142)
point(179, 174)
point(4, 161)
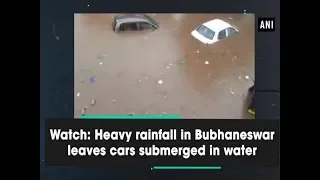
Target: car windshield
point(206, 32)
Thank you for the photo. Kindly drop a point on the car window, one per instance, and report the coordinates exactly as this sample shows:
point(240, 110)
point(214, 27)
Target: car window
point(128, 27)
point(206, 32)
point(145, 25)
point(222, 34)
point(231, 31)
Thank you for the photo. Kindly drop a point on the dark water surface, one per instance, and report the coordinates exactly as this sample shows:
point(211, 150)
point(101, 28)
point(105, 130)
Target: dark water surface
point(121, 71)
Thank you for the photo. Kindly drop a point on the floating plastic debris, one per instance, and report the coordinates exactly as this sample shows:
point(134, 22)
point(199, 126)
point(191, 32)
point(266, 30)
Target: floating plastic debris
point(92, 79)
point(131, 114)
point(165, 97)
point(101, 63)
point(230, 18)
point(160, 73)
point(145, 37)
point(182, 62)
point(78, 94)
point(170, 64)
point(93, 102)
point(160, 82)
point(164, 113)
point(239, 77)
point(114, 100)
point(231, 91)
point(140, 80)
point(247, 77)
point(207, 62)
point(197, 51)
point(168, 67)
point(147, 77)
point(84, 111)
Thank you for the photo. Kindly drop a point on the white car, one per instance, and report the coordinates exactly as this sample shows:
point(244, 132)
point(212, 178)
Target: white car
point(213, 31)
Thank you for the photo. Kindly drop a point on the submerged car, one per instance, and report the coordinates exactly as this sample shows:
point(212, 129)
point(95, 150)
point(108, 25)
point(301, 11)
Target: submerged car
point(213, 31)
point(134, 22)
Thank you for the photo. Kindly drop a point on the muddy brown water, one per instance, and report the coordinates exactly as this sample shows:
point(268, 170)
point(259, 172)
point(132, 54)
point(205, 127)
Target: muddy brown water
point(121, 71)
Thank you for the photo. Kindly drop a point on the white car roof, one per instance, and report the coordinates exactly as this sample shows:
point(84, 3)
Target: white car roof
point(217, 25)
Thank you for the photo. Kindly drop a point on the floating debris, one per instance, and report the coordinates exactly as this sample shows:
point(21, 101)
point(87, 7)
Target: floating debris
point(165, 97)
point(164, 113)
point(207, 62)
point(140, 80)
point(168, 67)
point(131, 114)
point(93, 102)
point(114, 101)
point(146, 113)
point(197, 51)
point(247, 77)
point(147, 77)
point(160, 82)
point(145, 37)
point(182, 62)
point(161, 73)
point(84, 111)
point(100, 63)
point(230, 18)
point(239, 77)
point(78, 94)
point(92, 79)
point(231, 91)
point(170, 64)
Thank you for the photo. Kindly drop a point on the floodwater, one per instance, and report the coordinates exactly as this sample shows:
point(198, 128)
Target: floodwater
point(121, 72)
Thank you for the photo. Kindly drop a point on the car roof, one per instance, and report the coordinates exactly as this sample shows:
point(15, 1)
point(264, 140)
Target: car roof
point(136, 17)
point(217, 25)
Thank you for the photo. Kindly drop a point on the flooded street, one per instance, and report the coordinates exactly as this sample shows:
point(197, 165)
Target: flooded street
point(163, 71)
